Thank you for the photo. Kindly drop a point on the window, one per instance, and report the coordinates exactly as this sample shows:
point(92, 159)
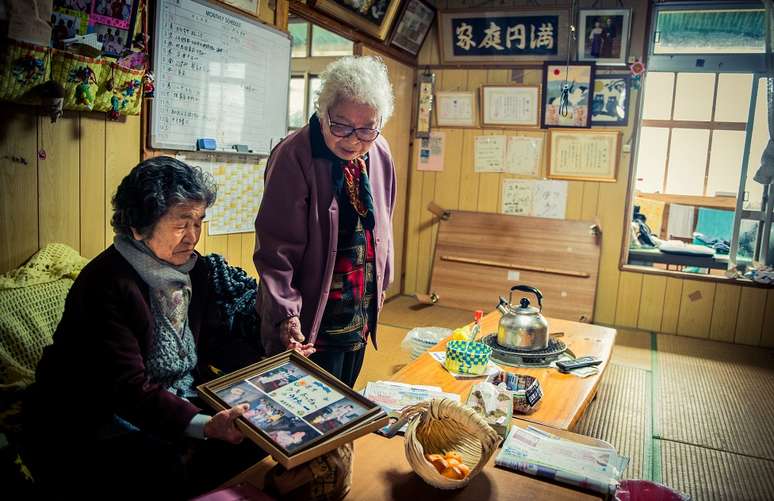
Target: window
point(702, 130)
point(314, 48)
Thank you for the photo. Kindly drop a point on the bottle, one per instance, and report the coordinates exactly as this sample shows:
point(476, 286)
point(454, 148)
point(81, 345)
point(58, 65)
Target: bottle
point(476, 329)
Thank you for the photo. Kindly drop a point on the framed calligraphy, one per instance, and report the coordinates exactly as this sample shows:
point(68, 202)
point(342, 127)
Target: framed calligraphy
point(374, 17)
point(455, 109)
point(604, 36)
point(583, 154)
point(502, 36)
point(567, 90)
point(297, 411)
point(510, 105)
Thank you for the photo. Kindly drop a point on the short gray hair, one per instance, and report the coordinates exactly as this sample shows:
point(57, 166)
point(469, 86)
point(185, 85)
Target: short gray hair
point(361, 79)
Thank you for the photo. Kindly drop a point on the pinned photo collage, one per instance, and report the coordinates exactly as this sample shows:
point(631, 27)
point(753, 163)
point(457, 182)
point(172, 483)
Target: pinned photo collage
point(111, 20)
point(292, 407)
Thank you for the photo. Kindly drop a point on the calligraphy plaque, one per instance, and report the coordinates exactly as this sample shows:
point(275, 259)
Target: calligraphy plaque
point(583, 154)
point(502, 36)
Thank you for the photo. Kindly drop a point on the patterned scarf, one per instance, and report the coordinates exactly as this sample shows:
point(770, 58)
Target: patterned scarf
point(358, 188)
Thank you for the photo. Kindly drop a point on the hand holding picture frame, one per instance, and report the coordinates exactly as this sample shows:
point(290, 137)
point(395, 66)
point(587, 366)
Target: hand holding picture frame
point(510, 105)
point(567, 90)
point(297, 411)
point(583, 154)
point(413, 25)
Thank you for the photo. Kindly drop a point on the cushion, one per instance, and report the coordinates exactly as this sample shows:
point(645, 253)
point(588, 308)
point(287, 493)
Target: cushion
point(679, 247)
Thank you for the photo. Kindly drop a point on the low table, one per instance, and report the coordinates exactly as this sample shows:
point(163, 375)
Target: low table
point(565, 397)
point(381, 472)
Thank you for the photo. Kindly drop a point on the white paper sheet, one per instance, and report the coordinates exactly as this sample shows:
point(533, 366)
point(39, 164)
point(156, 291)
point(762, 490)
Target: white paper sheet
point(523, 155)
point(489, 154)
point(680, 221)
point(517, 197)
point(550, 199)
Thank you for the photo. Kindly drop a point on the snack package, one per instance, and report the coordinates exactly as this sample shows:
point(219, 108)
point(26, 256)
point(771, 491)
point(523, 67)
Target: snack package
point(525, 391)
point(494, 405)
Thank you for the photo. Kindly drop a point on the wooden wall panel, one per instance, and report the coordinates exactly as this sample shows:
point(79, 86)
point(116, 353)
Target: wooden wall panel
point(671, 315)
point(18, 187)
point(750, 320)
point(122, 153)
point(651, 302)
point(92, 184)
point(696, 309)
point(58, 181)
point(628, 303)
point(724, 312)
point(767, 334)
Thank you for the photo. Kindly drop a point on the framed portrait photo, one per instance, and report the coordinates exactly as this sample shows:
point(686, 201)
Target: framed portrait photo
point(373, 17)
point(584, 154)
point(610, 103)
point(455, 109)
point(604, 36)
point(297, 411)
point(412, 27)
point(567, 90)
point(510, 105)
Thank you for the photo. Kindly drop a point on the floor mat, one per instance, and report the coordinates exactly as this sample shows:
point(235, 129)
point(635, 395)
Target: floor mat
point(711, 474)
point(715, 395)
point(620, 415)
point(406, 312)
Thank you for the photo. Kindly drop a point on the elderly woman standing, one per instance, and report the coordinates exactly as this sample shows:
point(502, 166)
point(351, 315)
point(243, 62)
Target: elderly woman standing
point(114, 403)
point(324, 229)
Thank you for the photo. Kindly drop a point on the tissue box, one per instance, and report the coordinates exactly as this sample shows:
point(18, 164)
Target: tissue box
point(466, 357)
point(494, 405)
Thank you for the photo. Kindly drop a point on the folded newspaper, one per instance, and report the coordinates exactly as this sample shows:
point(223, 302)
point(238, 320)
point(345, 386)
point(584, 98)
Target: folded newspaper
point(536, 452)
point(392, 396)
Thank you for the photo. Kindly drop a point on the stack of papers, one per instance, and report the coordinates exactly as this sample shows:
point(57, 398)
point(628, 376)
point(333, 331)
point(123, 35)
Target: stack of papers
point(536, 452)
point(393, 397)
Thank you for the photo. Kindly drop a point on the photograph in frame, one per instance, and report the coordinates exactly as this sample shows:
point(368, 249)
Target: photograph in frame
point(610, 103)
point(455, 109)
point(510, 105)
point(567, 90)
point(373, 17)
point(584, 154)
point(296, 409)
point(604, 36)
point(412, 27)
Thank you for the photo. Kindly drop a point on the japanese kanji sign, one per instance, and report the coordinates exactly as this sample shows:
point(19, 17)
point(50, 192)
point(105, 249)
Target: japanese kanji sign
point(503, 36)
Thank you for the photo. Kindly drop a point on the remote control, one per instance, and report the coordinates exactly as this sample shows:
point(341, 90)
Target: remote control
point(568, 365)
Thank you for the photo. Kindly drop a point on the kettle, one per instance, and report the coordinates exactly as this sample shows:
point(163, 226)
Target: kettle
point(522, 328)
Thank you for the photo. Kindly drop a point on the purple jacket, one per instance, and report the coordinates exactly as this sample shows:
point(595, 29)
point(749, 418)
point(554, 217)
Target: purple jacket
point(296, 233)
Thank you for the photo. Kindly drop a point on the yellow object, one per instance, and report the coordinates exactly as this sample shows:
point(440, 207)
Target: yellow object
point(461, 334)
point(465, 357)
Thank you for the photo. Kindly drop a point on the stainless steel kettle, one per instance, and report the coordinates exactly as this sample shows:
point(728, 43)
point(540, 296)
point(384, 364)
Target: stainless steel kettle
point(522, 328)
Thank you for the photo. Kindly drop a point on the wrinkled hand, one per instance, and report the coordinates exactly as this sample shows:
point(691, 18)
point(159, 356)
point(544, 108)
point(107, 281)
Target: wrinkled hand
point(222, 425)
point(292, 339)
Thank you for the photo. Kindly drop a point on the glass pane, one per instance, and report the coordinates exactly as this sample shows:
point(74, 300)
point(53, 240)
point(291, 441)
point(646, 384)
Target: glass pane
point(760, 137)
point(687, 162)
point(314, 88)
point(725, 162)
point(729, 31)
point(325, 43)
point(296, 103)
point(657, 101)
point(693, 96)
point(651, 159)
point(298, 30)
point(732, 103)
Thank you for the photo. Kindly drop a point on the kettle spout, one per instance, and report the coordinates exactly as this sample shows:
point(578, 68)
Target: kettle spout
point(504, 306)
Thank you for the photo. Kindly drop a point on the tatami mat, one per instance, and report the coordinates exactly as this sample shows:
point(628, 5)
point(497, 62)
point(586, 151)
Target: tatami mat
point(381, 364)
point(707, 474)
point(407, 312)
point(715, 395)
point(632, 349)
point(620, 415)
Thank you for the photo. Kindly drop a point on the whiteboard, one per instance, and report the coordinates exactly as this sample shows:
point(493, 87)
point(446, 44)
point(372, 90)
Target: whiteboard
point(219, 75)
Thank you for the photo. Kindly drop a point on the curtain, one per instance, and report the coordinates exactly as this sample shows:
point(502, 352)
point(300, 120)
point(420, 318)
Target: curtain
point(765, 173)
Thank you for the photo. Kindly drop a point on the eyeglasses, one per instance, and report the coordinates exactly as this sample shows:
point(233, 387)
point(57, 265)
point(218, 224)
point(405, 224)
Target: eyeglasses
point(364, 134)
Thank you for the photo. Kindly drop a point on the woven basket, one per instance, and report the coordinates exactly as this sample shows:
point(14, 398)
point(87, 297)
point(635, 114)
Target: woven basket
point(442, 425)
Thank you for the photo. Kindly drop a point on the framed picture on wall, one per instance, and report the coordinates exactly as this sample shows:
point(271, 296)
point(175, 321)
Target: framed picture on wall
point(604, 36)
point(567, 90)
point(373, 17)
point(583, 154)
point(414, 22)
point(610, 103)
point(455, 109)
point(510, 105)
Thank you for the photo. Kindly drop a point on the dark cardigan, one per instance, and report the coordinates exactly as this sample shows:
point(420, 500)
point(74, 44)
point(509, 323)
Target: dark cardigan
point(95, 367)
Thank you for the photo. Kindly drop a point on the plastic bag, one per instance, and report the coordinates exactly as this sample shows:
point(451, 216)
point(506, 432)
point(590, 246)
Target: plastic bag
point(419, 339)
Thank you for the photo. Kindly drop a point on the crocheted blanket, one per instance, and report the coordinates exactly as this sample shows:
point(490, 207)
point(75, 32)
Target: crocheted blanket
point(235, 293)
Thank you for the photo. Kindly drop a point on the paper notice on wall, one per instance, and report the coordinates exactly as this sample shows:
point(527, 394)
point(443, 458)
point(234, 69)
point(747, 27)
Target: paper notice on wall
point(28, 21)
point(680, 223)
point(523, 155)
point(550, 199)
point(430, 152)
point(240, 191)
point(489, 154)
point(517, 197)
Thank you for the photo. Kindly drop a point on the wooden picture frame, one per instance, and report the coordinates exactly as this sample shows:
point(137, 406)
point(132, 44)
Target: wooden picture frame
point(455, 109)
point(413, 25)
point(510, 105)
point(476, 36)
point(576, 112)
point(298, 411)
point(376, 21)
point(604, 36)
point(610, 101)
point(583, 154)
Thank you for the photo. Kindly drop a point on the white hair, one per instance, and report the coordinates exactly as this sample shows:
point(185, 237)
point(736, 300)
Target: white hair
point(361, 79)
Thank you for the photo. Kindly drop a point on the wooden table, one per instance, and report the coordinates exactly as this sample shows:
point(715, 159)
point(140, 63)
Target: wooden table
point(565, 397)
point(381, 472)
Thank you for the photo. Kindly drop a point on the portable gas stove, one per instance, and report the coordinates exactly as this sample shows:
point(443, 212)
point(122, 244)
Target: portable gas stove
point(522, 358)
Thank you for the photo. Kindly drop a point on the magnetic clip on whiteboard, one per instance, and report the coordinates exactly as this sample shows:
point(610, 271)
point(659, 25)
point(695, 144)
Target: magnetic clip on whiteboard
point(207, 144)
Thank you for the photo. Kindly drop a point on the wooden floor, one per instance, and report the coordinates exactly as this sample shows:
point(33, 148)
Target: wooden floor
point(693, 414)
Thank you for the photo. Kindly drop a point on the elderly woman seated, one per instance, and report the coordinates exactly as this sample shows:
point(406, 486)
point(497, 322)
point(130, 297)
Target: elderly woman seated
point(113, 412)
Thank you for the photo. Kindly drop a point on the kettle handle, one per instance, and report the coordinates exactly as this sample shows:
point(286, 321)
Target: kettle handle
point(527, 288)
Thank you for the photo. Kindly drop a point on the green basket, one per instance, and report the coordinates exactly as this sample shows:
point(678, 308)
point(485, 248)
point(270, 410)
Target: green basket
point(24, 67)
point(467, 357)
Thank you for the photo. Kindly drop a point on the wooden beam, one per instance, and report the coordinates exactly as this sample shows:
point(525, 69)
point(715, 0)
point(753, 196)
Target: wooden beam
point(728, 203)
point(692, 124)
